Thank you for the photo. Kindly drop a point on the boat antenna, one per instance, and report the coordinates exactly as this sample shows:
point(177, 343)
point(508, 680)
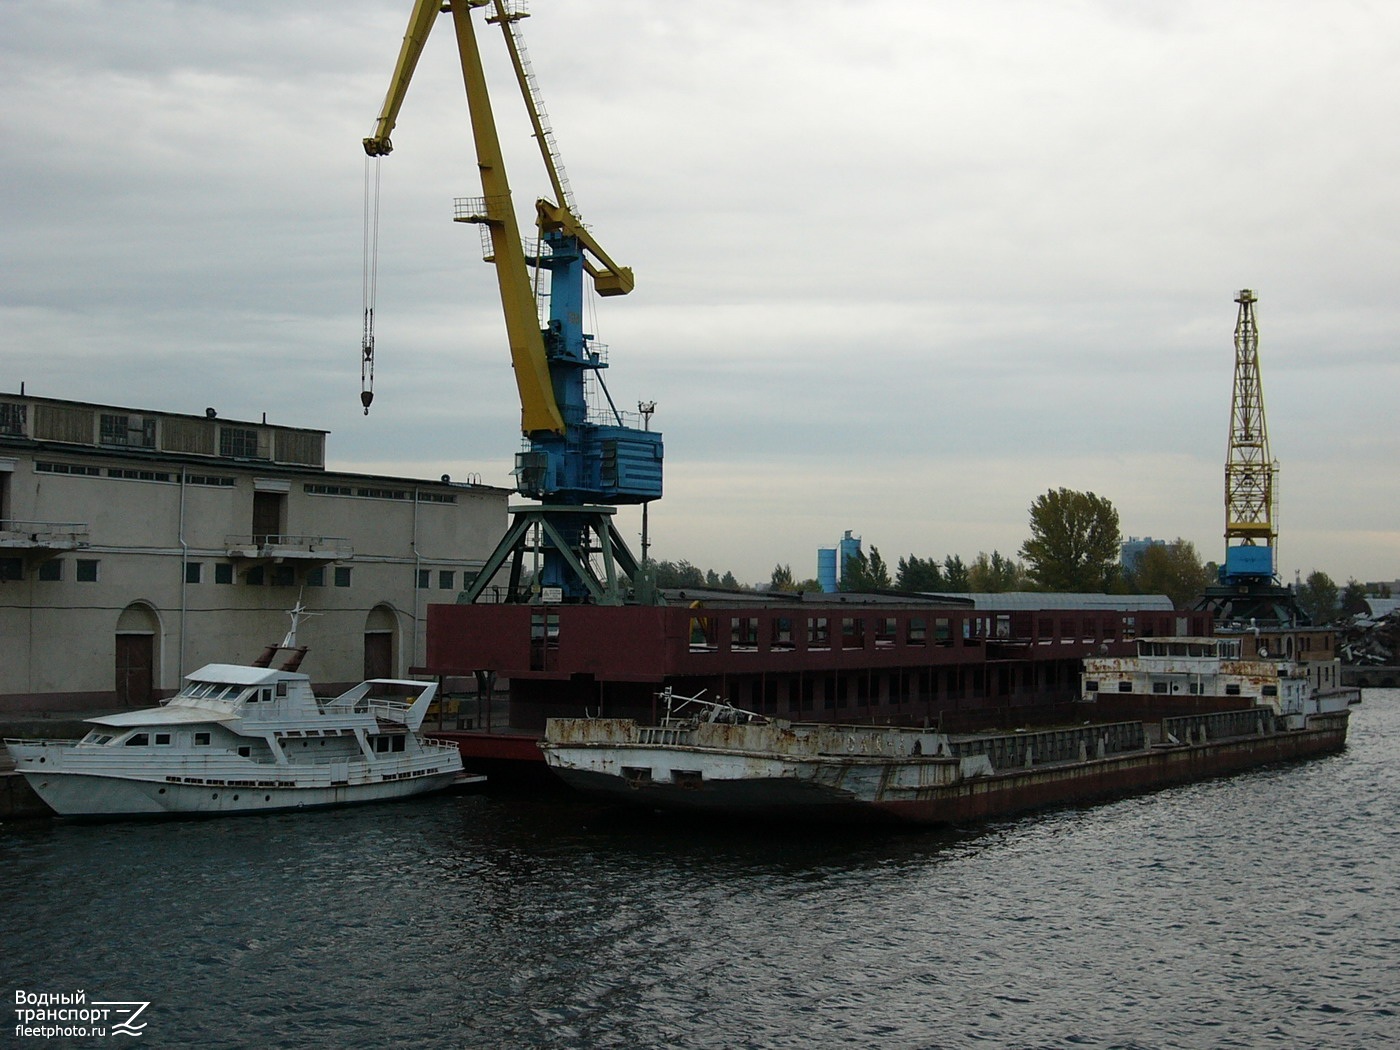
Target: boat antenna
point(297, 612)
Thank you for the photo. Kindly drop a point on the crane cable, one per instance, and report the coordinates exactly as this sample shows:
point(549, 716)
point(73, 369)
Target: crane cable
point(369, 280)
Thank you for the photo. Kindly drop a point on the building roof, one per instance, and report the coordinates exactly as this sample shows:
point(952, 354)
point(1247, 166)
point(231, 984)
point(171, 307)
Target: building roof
point(1018, 601)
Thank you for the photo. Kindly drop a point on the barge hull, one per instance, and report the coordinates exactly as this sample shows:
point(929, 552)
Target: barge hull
point(969, 799)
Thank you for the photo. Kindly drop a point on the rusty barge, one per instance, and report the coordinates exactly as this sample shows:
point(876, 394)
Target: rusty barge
point(1232, 713)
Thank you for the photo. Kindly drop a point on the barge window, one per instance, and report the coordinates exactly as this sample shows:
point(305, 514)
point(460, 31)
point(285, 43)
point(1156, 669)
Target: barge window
point(1159, 687)
point(1233, 689)
point(852, 633)
point(781, 637)
point(1091, 686)
point(1271, 690)
point(1125, 687)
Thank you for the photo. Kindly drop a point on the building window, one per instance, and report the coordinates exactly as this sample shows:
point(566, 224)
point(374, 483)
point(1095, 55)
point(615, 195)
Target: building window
point(238, 443)
point(424, 575)
point(67, 468)
point(194, 571)
point(316, 577)
point(445, 579)
point(284, 576)
point(342, 576)
point(223, 572)
point(12, 419)
point(51, 570)
point(127, 430)
point(86, 571)
point(11, 569)
point(255, 577)
point(133, 474)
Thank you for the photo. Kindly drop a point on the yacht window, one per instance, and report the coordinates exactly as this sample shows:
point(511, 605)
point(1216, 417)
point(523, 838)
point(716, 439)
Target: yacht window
point(245, 752)
point(267, 696)
point(98, 738)
point(201, 740)
point(231, 692)
point(138, 740)
point(163, 739)
point(281, 688)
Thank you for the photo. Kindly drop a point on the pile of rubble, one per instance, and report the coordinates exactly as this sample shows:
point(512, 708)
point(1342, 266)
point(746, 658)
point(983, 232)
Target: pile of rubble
point(1369, 640)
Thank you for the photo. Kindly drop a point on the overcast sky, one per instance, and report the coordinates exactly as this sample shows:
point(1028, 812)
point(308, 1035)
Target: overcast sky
point(901, 266)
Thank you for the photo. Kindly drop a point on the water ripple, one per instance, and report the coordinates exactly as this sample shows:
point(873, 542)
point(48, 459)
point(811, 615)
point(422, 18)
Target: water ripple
point(1254, 911)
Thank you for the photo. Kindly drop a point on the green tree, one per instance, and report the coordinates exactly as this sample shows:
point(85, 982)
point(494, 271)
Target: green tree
point(1354, 598)
point(1173, 569)
point(995, 574)
point(865, 574)
point(781, 579)
point(955, 575)
point(1318, 597)
point(678, 574)
point(918, 574)
point(1074, 542)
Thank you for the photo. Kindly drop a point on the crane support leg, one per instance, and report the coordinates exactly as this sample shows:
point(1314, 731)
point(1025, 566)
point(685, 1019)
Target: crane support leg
point(576, 552)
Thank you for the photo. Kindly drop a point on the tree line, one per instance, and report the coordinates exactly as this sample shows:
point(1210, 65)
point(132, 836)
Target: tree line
point(1075, 546)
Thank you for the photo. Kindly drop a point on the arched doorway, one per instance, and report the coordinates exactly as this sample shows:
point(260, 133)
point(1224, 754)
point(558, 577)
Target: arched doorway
point(381, 642)
point(138, 656)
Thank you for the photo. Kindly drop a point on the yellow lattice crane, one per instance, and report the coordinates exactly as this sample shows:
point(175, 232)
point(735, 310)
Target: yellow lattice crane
point(1250, 472)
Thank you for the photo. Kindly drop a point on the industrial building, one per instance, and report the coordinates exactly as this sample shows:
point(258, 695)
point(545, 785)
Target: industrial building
point(138, 545)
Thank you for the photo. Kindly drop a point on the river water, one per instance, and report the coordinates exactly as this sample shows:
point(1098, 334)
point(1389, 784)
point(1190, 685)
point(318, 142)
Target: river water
point(1255, 911)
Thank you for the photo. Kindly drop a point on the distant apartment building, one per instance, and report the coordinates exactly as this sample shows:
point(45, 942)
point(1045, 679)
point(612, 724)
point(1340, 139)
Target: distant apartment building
point(136, 546)
point(1131, 551)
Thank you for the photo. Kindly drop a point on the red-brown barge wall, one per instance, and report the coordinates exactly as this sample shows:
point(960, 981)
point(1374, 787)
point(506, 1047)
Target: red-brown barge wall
point(886, 663)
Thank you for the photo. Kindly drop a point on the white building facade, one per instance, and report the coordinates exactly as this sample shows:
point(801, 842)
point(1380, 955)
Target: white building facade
point(136, 546)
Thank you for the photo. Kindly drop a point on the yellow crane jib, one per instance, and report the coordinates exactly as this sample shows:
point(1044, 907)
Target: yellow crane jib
point(539, 410)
